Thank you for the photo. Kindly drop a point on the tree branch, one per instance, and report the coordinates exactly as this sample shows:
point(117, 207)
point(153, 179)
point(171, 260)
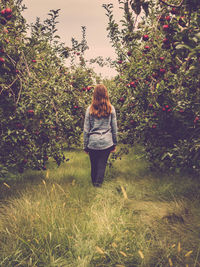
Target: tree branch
point(29, 74)
point(18, 98)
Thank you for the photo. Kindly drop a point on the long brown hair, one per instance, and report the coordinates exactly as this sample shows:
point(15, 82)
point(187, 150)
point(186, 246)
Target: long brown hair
point(101, 106)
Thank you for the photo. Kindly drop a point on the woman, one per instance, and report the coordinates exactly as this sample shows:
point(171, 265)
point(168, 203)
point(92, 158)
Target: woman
point(100, 133)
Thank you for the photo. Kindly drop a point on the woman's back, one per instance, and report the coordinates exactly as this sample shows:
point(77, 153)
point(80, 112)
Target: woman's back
point(100, 133)
point(100, 130)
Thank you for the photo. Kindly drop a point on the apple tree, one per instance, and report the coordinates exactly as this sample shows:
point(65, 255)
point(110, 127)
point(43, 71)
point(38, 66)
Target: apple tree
point(41, 107)
point(158, 89)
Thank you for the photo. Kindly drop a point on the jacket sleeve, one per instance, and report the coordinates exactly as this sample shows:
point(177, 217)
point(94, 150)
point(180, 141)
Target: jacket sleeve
point(86, 129)
point(114, 126)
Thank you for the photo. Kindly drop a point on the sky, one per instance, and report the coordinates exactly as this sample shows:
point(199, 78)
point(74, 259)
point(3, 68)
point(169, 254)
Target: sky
point(72, 15)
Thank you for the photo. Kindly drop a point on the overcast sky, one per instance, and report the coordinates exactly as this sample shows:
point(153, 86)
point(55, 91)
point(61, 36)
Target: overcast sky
point(73, 15)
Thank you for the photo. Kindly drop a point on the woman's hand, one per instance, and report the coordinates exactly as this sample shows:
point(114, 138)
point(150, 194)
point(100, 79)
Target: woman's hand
point(86, 150)
point(113, 150)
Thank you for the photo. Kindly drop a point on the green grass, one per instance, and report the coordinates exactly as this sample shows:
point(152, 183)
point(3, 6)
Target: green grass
point(137, 218)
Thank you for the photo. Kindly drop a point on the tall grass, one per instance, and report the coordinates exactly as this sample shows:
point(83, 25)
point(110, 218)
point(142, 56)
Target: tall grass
point(136, 218)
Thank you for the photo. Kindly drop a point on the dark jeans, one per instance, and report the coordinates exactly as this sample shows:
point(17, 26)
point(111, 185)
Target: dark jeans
point(98, 160)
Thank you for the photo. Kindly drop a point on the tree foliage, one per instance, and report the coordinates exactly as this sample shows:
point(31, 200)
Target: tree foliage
point(158, 86)
point(42, 102)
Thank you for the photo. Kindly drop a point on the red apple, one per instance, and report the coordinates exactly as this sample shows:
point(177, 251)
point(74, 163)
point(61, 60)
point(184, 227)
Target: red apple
point(30, 112)
point(146, 49)
point(168, 18)
point(2, 60)
point(145, 37)
point(3, 12)
point(8, 11)
point(162, 71)
point(132, 84)
point(34, 60)
point(174, 11)
point(89, 88)
point(161, 58)
point(166, 27)
point(121, 99)
point(166, 41)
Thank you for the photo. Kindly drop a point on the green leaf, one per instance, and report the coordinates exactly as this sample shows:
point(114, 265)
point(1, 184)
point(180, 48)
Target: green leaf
point(198, 35)
point(183, 46)
point(166, 155)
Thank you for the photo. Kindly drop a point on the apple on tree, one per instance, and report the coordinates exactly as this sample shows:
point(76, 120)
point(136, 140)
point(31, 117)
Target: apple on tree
point(122, 99)
point(2, 60)
point(162, 71)
point(166, 27)
point(145, 37)
point(167, 18)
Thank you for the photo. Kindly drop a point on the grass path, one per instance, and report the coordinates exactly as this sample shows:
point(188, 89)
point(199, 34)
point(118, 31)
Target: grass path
point(138, 218)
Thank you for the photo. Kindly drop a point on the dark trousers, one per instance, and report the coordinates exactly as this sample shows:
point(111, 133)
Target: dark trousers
point(98, 160)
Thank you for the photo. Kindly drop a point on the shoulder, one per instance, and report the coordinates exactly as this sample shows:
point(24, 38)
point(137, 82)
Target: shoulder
point(87, 112)
point(88, 109)
point(112, 109)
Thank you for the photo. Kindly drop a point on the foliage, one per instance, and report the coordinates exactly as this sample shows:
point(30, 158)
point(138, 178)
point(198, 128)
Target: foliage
point(157, 91)
point(42, 102)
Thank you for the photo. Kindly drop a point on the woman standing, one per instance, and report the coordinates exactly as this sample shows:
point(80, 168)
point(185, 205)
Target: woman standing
point(100, 133)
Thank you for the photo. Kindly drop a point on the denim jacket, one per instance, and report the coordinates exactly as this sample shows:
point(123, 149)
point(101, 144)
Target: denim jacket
point(99, 133)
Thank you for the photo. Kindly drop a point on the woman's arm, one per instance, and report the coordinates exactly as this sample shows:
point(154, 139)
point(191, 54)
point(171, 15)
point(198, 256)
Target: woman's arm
point(86, 129)
point(114, 126)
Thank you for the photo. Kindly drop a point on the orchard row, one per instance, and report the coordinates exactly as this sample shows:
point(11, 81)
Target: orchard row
point(158, 86)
